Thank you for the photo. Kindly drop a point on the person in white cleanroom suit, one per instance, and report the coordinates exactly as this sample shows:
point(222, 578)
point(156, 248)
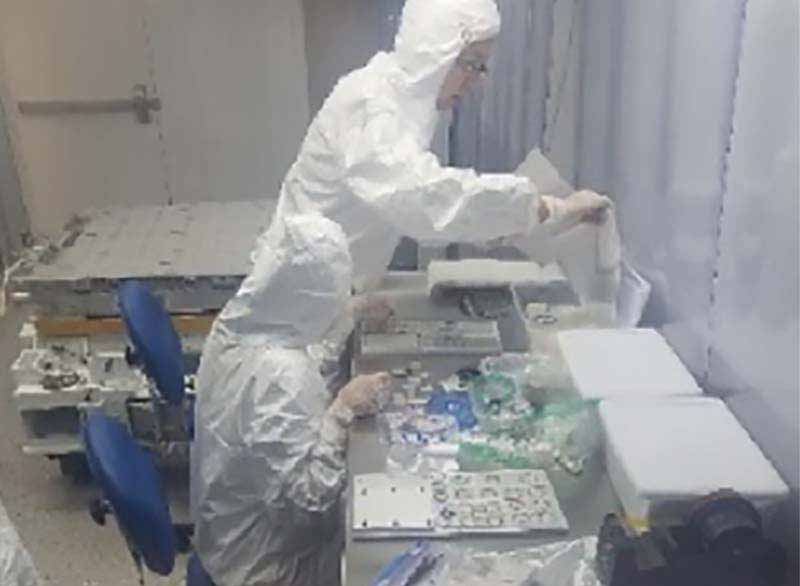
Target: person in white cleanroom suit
point(366, 163)
point(268, 459)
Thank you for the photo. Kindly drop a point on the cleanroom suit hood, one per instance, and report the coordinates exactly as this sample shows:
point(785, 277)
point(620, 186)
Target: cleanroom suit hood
point(268, 460)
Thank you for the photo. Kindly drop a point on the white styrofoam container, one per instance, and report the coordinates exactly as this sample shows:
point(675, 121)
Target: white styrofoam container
point(614, 363)
point(664, 454)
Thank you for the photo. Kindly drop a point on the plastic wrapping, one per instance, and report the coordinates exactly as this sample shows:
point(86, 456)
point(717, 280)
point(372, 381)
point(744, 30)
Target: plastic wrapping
point(527, 425)
point(540, 376)
point(560, 434)
point(407, 568)
point(512, 365)
point(632, 297)
point(415, 427)
point(568, 563)
point(16, 565)
point(404, 458)
point(547, 379)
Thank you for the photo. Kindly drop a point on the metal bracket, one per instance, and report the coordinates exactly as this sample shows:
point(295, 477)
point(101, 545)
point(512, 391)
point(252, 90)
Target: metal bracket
point(140, 103)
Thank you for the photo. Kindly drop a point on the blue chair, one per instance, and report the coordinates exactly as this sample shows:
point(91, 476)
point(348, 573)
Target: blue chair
point(154, 339)
point(157, 348)
point(134, 494)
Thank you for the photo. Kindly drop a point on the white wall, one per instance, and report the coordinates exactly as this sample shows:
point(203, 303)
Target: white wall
point(669, 90)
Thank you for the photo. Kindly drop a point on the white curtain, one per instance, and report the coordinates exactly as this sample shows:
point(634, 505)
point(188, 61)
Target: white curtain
point(633, 98)
point(686, 113)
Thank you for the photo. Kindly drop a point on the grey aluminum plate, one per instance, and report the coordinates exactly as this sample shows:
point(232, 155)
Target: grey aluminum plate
point(193, 255)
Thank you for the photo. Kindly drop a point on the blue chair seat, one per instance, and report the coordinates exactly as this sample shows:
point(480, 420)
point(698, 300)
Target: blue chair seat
point(131, 484)
point(154, 338)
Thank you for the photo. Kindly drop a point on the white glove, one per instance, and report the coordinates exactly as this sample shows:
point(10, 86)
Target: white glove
point(580, 207)
point(374, 310)
point(363, 394)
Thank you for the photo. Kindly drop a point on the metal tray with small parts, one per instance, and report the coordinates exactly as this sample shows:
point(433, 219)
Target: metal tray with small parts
point(434, 337)
point(505, 502)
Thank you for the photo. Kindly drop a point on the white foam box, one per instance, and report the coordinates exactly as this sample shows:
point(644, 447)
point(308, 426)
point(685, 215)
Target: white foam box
point(662, 455)
point(614, 363)
point(485, 273)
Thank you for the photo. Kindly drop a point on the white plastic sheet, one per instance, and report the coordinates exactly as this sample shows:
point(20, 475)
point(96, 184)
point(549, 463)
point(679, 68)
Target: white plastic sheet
point(568, 563)
point(16, 565)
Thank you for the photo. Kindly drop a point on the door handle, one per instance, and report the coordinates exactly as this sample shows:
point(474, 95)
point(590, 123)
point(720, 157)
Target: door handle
point(140, 103)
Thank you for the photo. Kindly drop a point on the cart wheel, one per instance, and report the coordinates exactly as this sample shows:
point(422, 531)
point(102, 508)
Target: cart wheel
point(75, 467)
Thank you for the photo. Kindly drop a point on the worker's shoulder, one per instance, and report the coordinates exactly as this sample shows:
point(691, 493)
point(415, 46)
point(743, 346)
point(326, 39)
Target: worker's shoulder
point(368, 89)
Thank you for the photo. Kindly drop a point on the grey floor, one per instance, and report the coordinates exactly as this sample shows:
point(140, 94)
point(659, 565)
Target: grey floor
point(50, 513)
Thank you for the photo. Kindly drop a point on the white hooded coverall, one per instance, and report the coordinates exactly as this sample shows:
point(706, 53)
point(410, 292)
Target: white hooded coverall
point(268, 459)
point(366, 164)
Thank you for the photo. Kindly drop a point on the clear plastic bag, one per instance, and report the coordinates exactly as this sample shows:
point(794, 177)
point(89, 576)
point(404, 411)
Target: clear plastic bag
point(415, 427)
point(568, 563)
point(422, 460)
point(563, 435)
point(547, 379)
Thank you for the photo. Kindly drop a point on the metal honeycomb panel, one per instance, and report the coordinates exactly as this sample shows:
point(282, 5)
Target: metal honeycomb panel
point(187, 240)
point(194, 255)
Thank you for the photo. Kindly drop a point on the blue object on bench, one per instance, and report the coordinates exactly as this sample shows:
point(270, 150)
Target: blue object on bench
point(455, 403)
point(132, 486)
point(408, 567)
point(154, 339)
point(195, 573)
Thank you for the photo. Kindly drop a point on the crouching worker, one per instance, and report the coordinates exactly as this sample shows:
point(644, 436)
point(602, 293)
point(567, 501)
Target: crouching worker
point(268, 460)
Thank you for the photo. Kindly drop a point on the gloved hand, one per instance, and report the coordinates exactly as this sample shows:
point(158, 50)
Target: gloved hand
point(374, 311)
point(581, 206)
point(362, 395)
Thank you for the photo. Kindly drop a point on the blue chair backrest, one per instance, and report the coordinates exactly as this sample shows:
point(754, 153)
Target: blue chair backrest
point(131, 484)
point(154, 339)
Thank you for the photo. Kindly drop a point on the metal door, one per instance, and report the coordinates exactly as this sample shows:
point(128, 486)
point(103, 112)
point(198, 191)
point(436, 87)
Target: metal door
point(79, 93)
point(85, 82)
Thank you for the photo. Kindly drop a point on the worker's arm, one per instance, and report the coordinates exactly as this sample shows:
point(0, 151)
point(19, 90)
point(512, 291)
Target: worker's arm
point(407, 186)
point(320, 474)
point(315, 467)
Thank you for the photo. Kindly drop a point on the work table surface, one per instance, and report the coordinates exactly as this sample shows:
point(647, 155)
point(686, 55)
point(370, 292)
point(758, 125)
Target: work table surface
point(585, 501)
